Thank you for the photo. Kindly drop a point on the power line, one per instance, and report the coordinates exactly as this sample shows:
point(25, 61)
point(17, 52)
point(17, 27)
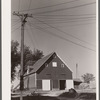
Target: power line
point(15, 29)
point(63, 38)
point(15, 23)
point(64, 22)
point(67, 19)
point(32, 34)
point(50, 6)
point(30, 37)
point(46, 18)
point(57, 10)
point(29, 5)
point(19, 6)
point(71, 25)
point(61, 30)
point(63, 15)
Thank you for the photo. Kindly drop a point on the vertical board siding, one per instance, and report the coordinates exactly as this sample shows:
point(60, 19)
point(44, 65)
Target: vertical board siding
point(55, 84)
point(39, 84)
point(25, 82)
point(54, 73)
point(32, 81)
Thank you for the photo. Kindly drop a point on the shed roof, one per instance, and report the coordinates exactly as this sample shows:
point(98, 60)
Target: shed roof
point(77, 80)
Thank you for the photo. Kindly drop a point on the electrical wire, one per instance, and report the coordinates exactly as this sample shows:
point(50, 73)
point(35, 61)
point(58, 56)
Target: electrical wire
point(32, 34)
point(64, 22)
point(63, 15)
point(30, 38)
point(57, 10)
point(71, 25)
point(67, 19)
point(46, 18)
point(74, 25)
point(29, 5)
point(63, 38)
point(61, 30)
point(50, 6)
point(19, 6)
point(15, 23)
point(15, 29)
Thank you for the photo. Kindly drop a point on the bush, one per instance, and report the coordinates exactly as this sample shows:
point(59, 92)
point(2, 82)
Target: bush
point(84, 86)
point(71, 94)
point(87, 96)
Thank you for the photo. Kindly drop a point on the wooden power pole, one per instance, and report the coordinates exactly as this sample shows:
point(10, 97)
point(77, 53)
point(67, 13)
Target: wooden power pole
point(23, 18)
point(76, 71)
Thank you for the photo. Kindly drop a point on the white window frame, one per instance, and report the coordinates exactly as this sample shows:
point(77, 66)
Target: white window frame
point(54, 64)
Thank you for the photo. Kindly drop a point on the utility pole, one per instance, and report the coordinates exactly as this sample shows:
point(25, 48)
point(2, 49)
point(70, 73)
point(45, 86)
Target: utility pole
point(76, 70)
point(23, 18)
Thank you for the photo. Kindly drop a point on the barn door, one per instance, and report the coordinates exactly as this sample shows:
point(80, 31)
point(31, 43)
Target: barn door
point(69, 84)
point(45, 84)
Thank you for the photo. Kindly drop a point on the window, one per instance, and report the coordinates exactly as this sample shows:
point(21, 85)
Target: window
point(62, 65)
point(54, 64)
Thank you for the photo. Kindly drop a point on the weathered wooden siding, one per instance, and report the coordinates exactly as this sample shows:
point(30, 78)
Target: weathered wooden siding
point(32, 81)
point(39, 84)
point(55, 84)
point(54, 73)
point(25, 82)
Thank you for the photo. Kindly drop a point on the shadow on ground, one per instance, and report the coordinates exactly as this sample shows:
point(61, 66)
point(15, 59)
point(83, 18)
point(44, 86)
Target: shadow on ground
point(36, 98)
point(63, 96)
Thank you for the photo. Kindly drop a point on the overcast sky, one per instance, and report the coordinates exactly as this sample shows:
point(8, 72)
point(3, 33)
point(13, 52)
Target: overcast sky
point(67, 27)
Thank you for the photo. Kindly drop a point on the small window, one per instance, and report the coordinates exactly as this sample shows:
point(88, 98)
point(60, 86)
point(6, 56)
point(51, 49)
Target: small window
point(54, 64)
point(46, 65)
point(62, 65)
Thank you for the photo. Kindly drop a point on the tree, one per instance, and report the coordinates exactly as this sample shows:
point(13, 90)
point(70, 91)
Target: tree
point(15, 58)
point(88, 77)
point(30, 57)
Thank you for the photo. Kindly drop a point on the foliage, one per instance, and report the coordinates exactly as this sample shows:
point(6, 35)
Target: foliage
point(84, 86)
point(15, 58)
point(30, 57)
point(88, 77)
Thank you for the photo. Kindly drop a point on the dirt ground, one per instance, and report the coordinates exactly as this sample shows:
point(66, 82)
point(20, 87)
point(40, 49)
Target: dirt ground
point(59, 95)
point(52, 98)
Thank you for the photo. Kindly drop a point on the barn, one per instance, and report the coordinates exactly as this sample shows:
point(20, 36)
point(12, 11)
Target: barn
point(49, 73)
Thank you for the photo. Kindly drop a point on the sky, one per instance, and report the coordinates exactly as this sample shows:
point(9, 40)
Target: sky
point(67, 27)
